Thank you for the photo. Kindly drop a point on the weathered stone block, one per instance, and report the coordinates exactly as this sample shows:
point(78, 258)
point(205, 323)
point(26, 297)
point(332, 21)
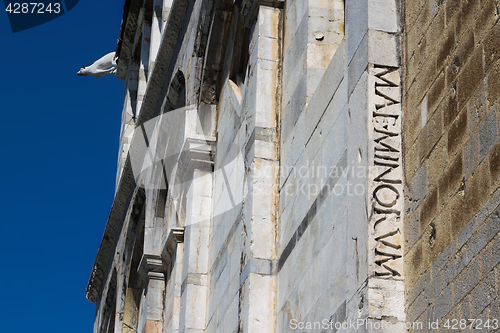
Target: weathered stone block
point(413, 38)
point(445, 46)
point(411, 230)
point(438, 234)
point(491, 47)
point(443, 303)
point(430, 135)
point(268, 22)
point(358, 64)
point(417, 189)
point(467, 14)
point(456, 264)
point(486, 19)
point(413, 10)
point(437, 162)
point(383, 15)
point(465, 309)
point(489, 256)
point(477, 187)
point(418, 287)
point(483, 294)
point(452, 7)
point(493, 83)
point(459, 216)
point(494, 161)
point(487, 134)
point(435, 32)
point(484, 234)
point(466, 281)
point(471, 155)
point(465, 234)
point(417, 308)
point(411, 122)
point(477, 107)
point(411, 161)
point(469, 77)
point(382, 48)
point(450, 108)
point(457, 133)
point(415, 264)
point(436, 93)
point(465, 48)
point(429, 208)
point(295, 14)
point(356, 26)
point(425, 18)
point(443, 258)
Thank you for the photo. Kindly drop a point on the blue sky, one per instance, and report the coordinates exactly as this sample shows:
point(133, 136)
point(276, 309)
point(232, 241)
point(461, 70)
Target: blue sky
point(59, 152)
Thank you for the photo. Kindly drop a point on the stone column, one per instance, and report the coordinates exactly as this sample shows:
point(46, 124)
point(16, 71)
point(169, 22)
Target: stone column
point(128, 116)
point(257, 279)
point(375, 237)
point(196, 170)
point(144, 65)
point(153, 268)
point(172, 253)
point(156, 29)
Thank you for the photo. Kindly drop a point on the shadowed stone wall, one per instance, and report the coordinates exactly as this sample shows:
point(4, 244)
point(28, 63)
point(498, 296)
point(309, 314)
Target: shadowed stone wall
point(452, 154)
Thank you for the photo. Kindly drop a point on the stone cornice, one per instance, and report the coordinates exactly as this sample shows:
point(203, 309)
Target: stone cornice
point(123, 198)
point(161, 73)
point(131, 21)
point(175, 236)
point(127, 184)
point(128, 29)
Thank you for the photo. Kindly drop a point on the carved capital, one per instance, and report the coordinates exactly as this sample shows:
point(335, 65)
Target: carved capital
point(152, 266)
point(197, 154)
point(175, 236)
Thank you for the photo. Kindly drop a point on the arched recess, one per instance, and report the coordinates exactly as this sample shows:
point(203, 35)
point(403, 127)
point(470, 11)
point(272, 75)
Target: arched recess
point(134, 282)
point(109, 311)
point(176, 93)
point(174, 99)
point(241, 49)
point(219, 30)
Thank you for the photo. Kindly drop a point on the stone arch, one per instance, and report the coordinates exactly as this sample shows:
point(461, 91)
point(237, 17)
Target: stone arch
point(241, 49)
point(134, 283)
point(176, 94)
point(109, 310)
point(213, 50)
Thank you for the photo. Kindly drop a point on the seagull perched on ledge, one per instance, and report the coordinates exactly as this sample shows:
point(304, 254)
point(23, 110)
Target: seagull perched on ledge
point(104, 66)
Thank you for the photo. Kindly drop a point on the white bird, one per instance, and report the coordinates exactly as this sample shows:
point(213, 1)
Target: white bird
point(104, 66)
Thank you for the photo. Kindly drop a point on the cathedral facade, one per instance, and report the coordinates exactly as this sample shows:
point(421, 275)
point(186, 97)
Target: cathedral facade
point(304, 165)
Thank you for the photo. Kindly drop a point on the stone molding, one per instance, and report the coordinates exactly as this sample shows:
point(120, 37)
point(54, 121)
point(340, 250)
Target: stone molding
point(159, 75)
point(175, 237)
point(126, 197)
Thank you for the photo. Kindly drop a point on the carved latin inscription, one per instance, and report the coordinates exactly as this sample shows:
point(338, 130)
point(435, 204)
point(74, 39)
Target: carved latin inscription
point(386, 196)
